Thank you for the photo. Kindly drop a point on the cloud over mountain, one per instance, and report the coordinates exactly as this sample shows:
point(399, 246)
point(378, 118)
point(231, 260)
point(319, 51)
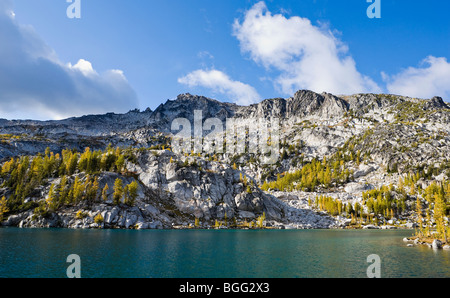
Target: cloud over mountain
point(220, 82)
point(307, 56)
point(432, 78)
point(35, 83)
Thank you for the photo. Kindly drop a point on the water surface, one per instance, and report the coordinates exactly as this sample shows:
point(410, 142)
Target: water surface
point(215, 253)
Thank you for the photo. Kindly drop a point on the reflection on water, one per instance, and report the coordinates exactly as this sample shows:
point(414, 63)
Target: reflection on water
point(210, 253)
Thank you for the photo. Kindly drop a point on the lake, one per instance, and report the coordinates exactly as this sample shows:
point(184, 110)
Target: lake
point(43, 253)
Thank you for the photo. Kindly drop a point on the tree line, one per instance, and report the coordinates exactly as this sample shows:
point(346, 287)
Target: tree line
point(25, 177)
point(435, 203)
point(312, 175)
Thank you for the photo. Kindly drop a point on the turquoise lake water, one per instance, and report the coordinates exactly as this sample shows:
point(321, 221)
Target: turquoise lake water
point(42, 253)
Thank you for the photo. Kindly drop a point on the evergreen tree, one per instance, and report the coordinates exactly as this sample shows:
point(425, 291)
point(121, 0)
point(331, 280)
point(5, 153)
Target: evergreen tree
point(77, 190)
point(91, 189)
point(131, 193)
point(120, 163)
point(3, 207)
point(105, 192)
point(8, 167)
point(419, 214)
point(98, 219)
point(52, 200)
point(63, 190)
point(439, 213)
point(72, 164)
point(118, 191)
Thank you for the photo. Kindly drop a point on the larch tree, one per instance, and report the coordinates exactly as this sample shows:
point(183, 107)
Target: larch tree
point(131, 193)
point(439, 213)
point(105, 192)
point(118, 191)
point(419, 214)
point(3, 207)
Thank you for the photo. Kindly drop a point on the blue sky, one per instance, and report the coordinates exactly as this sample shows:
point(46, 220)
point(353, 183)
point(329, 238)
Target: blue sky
point(122, 54)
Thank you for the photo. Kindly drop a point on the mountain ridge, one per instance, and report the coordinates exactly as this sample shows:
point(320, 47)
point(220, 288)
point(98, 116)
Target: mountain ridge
point(302, 100)
point(333, 147)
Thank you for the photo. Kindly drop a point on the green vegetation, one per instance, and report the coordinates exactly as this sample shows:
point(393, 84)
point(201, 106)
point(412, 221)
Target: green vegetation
point(260, 221)
point(331, 205)
point(3, 208)
point(130, 193)
point(81, 214)
point(98, 219)
point(384, 201)
point(118, 191)
point(74, 176)
point(435, 200)
point(10, 137)
point(315, 174)
point(407, 112)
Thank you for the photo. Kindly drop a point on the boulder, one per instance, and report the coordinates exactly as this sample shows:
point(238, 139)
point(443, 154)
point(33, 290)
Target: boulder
point(246, 214)
point(437, 244)
point(142, 225)
point(388, 228)
point(363, 171)
point(130, 220)
point(411, 225)
point(171, 172)
point(441, 177)
point(151, 210)
point(13, 220)
point(155, 225)
point(370, 227)
point(111, 216)
point(354, 187)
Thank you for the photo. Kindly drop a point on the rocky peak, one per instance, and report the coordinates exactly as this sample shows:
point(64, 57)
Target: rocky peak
point(185, 105)
point(268, 108)
point(308, 103)
point(436, 103)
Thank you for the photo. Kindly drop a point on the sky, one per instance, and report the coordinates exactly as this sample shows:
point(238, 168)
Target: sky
point(121, 55)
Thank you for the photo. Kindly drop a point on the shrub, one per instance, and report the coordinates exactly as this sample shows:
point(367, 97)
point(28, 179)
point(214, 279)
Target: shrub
point(80, 214)
point(98, 219)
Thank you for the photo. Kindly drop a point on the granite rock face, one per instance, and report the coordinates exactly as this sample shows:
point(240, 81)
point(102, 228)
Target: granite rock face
point(393, 134)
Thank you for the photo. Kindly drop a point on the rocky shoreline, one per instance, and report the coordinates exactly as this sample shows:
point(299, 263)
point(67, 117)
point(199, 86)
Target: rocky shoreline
point(431, 243)
point(394, 146)
point(145, 216)
point(171, 196)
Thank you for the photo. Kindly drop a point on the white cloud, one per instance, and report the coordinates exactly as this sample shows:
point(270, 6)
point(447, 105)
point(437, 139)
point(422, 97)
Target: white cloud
point(35, 84)
point(432, 78)
point(219, 82)
point(308, 57)
point(85, 67)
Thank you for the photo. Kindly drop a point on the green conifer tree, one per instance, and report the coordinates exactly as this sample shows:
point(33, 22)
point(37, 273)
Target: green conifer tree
point(118, 191)
point(105, 192)
point(3, 207)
